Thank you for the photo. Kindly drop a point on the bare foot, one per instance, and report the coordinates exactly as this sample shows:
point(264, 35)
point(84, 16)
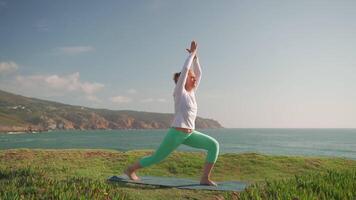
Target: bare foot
point(131, 174)
point(207, 182)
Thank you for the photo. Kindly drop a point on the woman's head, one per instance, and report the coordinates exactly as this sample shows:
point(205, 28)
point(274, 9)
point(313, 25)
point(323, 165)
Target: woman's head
point(190, 82)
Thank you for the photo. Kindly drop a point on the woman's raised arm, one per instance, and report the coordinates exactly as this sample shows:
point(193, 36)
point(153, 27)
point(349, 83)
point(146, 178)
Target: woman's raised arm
point(197, 71)
point(184, 73)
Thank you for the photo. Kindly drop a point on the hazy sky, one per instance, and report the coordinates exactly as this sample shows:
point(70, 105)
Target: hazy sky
point(289, 64)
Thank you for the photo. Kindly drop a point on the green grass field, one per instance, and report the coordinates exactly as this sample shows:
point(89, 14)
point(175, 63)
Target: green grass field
point(82, 174)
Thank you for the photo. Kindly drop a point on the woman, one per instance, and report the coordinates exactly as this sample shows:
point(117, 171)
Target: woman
point(182, 128)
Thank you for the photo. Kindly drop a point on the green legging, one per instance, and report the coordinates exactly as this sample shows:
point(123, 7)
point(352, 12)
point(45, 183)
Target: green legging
point(174, 138)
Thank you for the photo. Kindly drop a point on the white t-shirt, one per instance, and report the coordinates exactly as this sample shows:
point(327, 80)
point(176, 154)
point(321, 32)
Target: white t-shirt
point(185, 105)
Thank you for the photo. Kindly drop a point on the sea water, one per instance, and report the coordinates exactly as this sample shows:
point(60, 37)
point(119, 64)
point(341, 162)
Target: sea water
point(310, 142)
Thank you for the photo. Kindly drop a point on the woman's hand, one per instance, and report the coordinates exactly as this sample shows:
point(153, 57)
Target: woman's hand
point(193, 48)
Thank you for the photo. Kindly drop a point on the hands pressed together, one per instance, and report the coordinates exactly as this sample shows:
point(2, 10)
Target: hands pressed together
point(193, 49)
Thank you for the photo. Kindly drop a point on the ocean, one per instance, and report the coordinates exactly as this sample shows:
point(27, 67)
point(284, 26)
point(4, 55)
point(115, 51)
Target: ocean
point(304, 142)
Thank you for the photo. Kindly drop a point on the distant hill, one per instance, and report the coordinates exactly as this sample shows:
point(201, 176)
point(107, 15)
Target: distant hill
point(19, 113)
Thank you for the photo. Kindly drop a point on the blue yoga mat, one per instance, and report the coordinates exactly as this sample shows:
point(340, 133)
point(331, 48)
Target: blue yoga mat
point(181, 183)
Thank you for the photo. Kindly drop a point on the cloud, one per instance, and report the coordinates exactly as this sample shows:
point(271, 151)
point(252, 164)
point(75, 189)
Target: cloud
point(8, 67)
point(93, 98)
point(161, 100)
point(147, 100)
point(72, 83)
point(56, 85)
point(132, 91)
point(120, 99)
point(74, 50)
point(150, 100)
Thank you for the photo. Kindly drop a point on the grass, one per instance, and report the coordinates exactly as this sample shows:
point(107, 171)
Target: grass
point(82, 174)
point(8, 120)
point(332, 184)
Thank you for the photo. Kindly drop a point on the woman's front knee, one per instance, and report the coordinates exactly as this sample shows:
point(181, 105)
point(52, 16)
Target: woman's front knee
point(215, 145)
point(213, 152)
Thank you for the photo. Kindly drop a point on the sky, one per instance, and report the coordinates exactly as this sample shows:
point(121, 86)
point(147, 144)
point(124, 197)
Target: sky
point(265, 64)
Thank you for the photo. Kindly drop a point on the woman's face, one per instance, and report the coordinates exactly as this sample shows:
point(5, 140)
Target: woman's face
point(191, 81)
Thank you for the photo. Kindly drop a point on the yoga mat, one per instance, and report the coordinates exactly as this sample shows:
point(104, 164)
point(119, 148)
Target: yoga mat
point(181, 183)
